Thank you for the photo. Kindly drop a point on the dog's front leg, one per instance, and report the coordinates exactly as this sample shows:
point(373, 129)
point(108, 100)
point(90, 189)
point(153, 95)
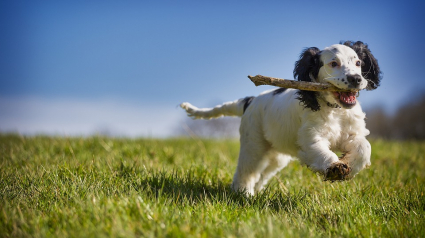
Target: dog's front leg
point(316, 154)
point(357, 154)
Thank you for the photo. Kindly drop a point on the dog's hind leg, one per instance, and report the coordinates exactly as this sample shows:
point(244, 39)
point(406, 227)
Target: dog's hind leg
point(276, 162)
point(251, 163)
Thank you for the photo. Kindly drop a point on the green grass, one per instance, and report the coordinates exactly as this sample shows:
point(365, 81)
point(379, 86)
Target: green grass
point(103, 187)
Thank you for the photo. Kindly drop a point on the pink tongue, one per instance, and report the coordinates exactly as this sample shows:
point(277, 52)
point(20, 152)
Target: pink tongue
point(348, 97)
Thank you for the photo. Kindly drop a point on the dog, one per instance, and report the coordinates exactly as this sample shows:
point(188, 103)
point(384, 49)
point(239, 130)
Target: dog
point(284, 124)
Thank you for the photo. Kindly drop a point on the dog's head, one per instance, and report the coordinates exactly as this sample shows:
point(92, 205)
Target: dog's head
point(349, 65)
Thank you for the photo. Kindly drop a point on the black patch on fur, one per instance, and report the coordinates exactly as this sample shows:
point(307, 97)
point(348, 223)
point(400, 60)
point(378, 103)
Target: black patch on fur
point(247, 101)
point(279, 91)
point(370, 67)
point(308, 64)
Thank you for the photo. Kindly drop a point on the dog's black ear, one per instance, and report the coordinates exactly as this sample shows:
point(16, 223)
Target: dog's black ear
point(370, 67)
point(306, 67)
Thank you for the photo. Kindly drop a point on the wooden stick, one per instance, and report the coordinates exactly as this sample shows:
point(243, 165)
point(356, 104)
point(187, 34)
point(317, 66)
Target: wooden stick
point(302, 85)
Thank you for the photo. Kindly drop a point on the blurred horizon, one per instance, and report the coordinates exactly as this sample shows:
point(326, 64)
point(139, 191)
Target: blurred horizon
point(122, 68)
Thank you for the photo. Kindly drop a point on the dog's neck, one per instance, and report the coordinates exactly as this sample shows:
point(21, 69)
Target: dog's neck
point(331, 105)
point(334, 105)
point(323, 102)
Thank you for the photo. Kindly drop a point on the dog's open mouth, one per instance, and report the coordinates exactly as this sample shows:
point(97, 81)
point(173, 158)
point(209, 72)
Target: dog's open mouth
point(347, 99)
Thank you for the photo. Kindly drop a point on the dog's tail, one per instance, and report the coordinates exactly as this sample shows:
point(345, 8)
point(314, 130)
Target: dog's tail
point(235, 109)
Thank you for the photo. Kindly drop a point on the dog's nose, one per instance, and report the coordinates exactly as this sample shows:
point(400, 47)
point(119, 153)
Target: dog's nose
point(354, 80)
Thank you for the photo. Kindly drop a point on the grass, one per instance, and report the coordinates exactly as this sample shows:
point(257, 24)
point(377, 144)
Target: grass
point(104, 187)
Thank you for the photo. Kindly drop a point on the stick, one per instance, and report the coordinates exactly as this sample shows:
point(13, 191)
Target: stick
point(285, 83)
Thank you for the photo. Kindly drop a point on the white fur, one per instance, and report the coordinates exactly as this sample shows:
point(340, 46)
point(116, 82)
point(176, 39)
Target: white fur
point(276, 128)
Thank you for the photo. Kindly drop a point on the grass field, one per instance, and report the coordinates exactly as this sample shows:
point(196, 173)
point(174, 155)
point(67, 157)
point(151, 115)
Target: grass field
point(104, 187)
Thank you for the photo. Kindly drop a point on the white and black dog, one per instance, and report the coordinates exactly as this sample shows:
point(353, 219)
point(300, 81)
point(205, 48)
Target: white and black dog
point(283, 124)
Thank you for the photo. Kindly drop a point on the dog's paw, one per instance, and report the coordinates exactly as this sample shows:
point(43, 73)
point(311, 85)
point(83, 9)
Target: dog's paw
point(337, 171)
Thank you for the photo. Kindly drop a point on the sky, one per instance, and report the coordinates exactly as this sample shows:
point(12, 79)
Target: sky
point(122, 67)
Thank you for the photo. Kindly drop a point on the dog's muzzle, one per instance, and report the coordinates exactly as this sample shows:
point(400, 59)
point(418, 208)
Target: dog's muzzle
point(354, 80)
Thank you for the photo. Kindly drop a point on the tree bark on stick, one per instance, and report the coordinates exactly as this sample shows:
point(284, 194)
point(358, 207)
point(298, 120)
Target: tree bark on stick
point(302, 85)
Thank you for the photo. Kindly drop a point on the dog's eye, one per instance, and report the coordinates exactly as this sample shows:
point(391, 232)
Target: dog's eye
point(358, 63)
point(334, 64)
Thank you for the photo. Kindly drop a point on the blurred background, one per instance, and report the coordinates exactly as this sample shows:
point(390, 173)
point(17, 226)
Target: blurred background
point(121, 68)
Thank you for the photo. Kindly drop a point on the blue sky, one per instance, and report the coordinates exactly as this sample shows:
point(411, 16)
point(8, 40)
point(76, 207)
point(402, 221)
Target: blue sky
point(77, 67)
